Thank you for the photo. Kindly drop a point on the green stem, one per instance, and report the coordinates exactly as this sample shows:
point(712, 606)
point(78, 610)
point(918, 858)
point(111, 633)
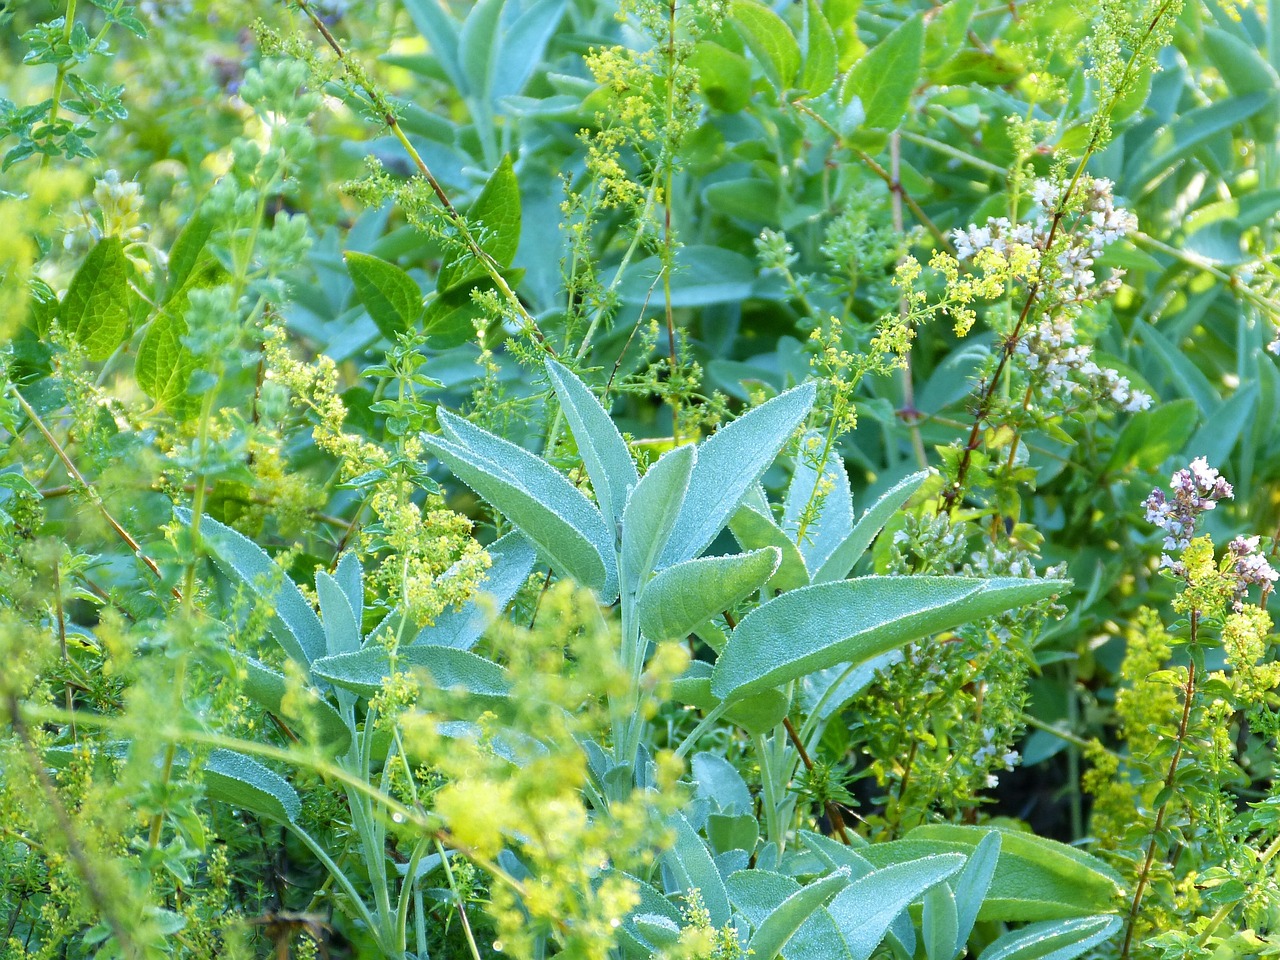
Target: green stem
point(462, 909)
point(60, 79)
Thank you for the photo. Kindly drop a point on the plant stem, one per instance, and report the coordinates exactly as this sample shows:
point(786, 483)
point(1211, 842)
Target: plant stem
point(1144, 875)
point(60, 78)
point(832, 810)
point(462, 910)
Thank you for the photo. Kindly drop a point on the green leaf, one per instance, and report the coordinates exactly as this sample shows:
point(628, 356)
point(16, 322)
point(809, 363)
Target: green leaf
point(1186, 376)
point(701, 275)
point(449, 319)
point(720, 780)
point(854, 620)
point(95, 308)
point(752, 525)
point(756, 893)
point(478, 47)
point(687, 594)
point(365, 671)
point(1221, 430)
point(511, 558)
point(651, 512)
point(820, 52)
point(864, 910)
point(269, 689)
point(823, 535)
point(728, 464)
point(652, 904)
point(783, 921)
point(548, 509)
point(724, 77)
point(939, 923)
point(973, 883)
point(843, 558)
point(523, 47)
point(389, 294)
point(770, 41)
point(756, 714)
point(884, 79)
point(691, 865)
point(604, 452)
point(185, 252)
point(293, 623)
point(494, 220)
point(164, 364)
point(1035, 878)
point(441, 33)
point(1190, 132)
point(243, 782)
point(1152, 436)
point(1052, 939)
point(341, 631)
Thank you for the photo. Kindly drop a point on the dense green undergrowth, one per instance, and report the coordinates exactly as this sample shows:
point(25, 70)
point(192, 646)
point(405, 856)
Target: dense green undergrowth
point(689, 481)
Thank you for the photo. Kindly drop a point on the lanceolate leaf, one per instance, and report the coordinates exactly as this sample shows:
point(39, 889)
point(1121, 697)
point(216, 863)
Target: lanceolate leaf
point(781, 924)
point(1052, 939)
point(244, 782)
point(269, 689)
point(511, 559)
point(973, 883)
point(841, 561)
point(604, 452)
point(651, 512)
point(853, 620)
point(688, 594)
point(690, 863)
point(758, 713)
point(864, 910)
point(728, 464)
point(293, 623)
point(365, 671)
point(342, 632)
point(753, 526)
point(939, 924)
point(95, 309)
point(547, 508)
point(884, 78)
point(823, 533)
point(389, 294)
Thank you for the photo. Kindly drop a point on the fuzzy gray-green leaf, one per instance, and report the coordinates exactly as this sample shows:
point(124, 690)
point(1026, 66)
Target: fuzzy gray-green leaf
point(842, 558)
point(688, 594)
point(365, 671)
point(651, 512)
point(244, 782)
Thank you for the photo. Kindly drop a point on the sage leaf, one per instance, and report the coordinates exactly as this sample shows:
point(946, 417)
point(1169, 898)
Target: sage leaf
point(684, 596)
point(772, 933)
point(854, 620)
point(365, 671)
point(651, 512)
point(864, 910)
point(511, 559)
point(244, 782)
point(843, 557)
point(1052, 939)
point(728, 464)
point(604, 452)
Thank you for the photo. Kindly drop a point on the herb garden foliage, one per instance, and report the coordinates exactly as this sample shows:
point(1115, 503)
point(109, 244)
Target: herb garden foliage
point(685, 481)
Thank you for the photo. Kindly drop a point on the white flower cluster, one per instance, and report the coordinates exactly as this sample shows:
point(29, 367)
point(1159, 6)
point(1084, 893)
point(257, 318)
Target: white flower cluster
point(1050, 347)
point(1196, 489)
point(1249, 567)
point(1101, 223)
point(987, 752)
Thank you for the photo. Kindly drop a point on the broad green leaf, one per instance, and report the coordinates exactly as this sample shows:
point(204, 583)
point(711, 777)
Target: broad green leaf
point(829, 489)
point(651, 512)
point(478, 47)
point(973, 883)
point(185, 252)
point(945, 32)
point(365, 671)
point(759, 713)
point(389, 294)
point(724, 77)
point(341, 631)
point(658, 930)
point(691, 866)
point(939, 923)
point(851, 621)
point(243, 782)
point(1221, 430)
point(702, 275)
point(770, 41)
point(269, 690)
point(836, 855)
point(720, 781)
point(820, 52)
point(604, 452)
point(653, 905)
point(756, 893)
point(511, 559)
point(1052, 939)
point(864, 910)
point(164, 364)
point(494, 220)
point(828, 691)
point(547, 508)
point(1035, 878)
point(95, 308)
point(449, 319)
point(728, 464)
point(884, 79)
point(843, 558)
point(293, 623)
point(685, 595)
point(783, 921)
